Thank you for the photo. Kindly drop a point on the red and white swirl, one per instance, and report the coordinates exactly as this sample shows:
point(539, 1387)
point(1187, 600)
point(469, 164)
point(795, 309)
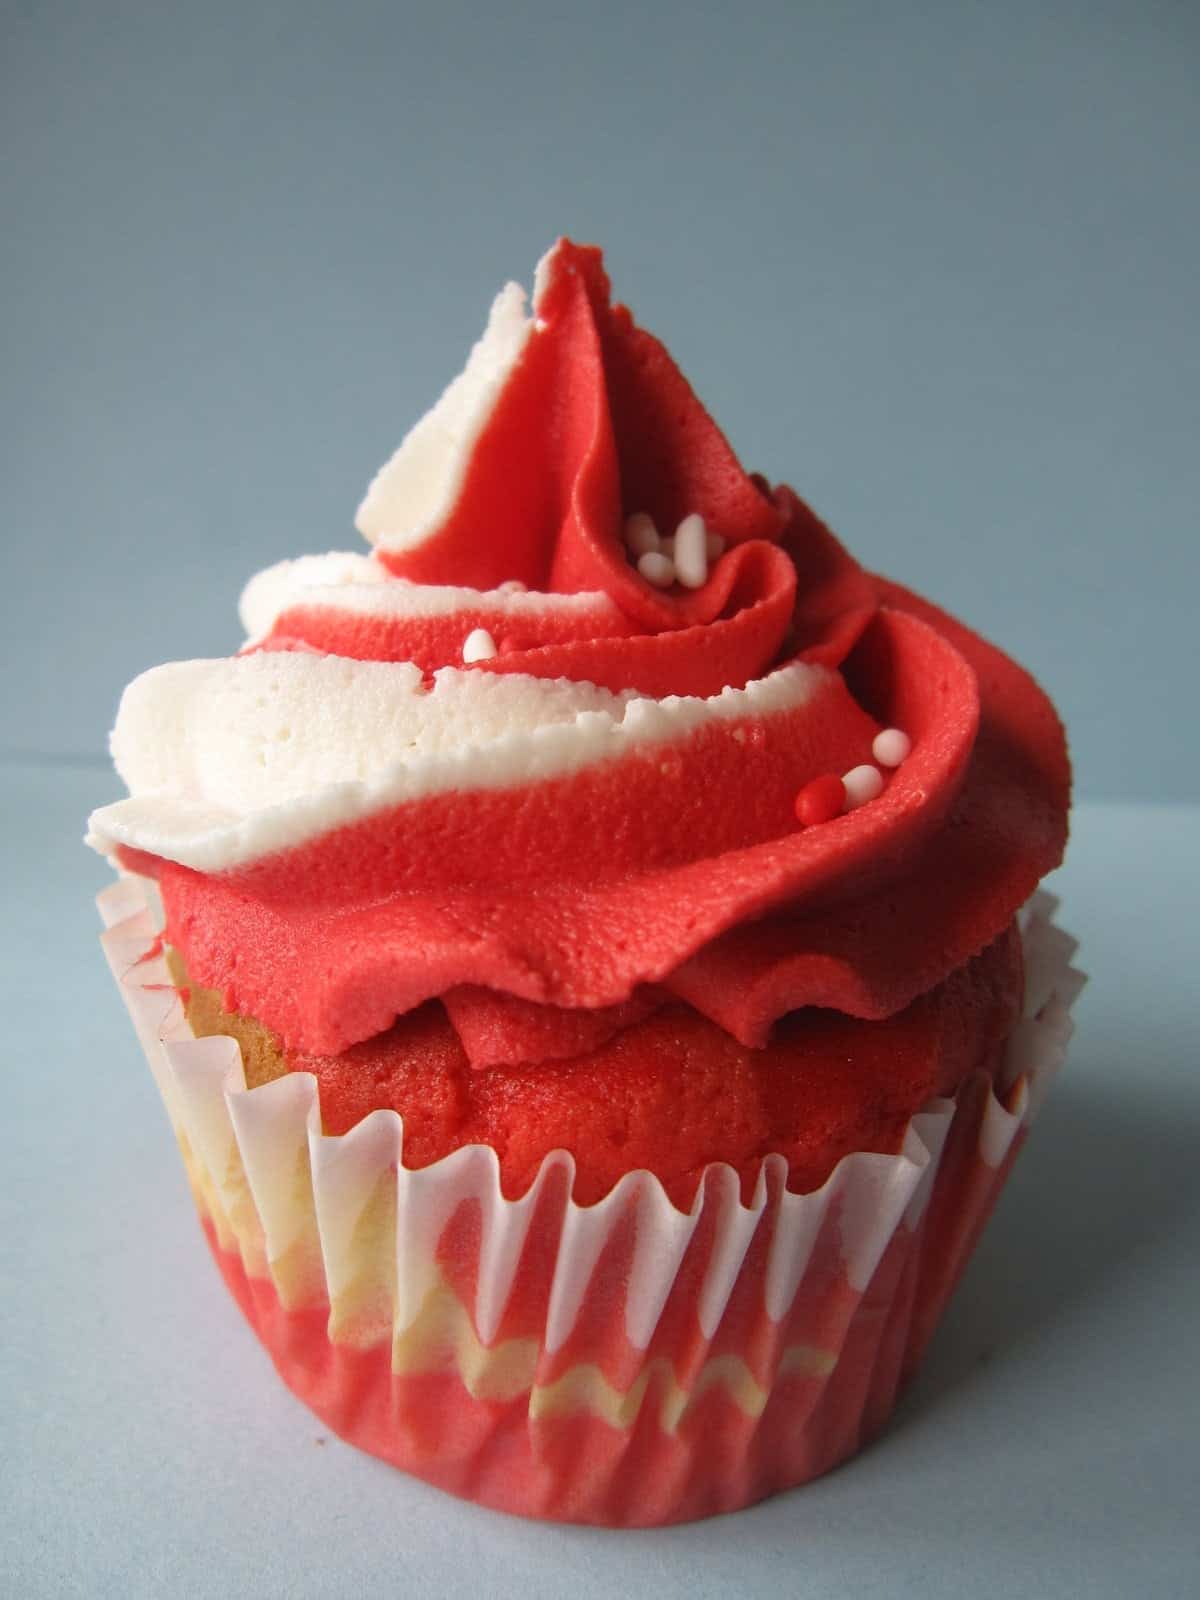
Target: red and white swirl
point(358, 813)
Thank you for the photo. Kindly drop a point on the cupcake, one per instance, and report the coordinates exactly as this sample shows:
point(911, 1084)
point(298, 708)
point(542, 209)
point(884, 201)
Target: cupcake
point(589, 946)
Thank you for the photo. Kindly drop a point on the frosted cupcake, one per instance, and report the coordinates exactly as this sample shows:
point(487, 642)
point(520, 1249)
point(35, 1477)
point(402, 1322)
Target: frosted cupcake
point(586, 946)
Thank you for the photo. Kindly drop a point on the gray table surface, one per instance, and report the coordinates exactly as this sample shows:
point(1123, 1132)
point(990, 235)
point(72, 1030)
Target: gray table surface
point(1051, 1446)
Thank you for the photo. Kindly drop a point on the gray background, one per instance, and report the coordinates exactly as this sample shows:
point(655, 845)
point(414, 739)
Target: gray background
point(933, 264)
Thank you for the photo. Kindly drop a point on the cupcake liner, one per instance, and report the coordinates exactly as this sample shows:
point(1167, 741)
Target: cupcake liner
point(623, 1363)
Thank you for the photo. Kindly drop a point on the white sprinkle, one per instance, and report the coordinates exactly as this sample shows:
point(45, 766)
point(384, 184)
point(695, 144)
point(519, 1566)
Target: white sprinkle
point(657, 569)
point(641, 536)
point(714, 546)
point(891, 747)
point(691, 559)
point(862, 784)
point(513, 586)
point(478, 646)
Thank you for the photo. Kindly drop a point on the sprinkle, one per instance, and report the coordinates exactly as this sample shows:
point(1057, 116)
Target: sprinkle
point(891, 747)
point(714, 546)
point(657, 569)
point(691, 559)
point(862, 784)
point(641, 536)
point(821, 800)
point(478, 646)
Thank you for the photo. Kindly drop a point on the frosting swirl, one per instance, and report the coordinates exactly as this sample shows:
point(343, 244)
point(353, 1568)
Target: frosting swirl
point(493, 762)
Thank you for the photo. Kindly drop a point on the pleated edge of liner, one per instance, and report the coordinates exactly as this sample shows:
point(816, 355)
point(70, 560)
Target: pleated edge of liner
point(132, 914)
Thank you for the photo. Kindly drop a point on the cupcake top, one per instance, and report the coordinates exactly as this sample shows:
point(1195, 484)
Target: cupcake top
point(598, 711)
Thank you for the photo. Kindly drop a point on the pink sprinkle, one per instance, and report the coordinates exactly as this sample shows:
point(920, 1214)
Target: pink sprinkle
point(891, 747)
point(690, 552)
point(478, 646)
point(657, 569)
point(641, 536)
point(862, 784)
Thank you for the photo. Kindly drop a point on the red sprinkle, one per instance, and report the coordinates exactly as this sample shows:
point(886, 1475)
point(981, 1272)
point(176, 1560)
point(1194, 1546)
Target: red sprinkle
point(821, 800)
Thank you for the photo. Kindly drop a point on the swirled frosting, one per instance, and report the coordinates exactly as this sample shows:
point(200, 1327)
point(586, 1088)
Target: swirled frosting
point(596, 812)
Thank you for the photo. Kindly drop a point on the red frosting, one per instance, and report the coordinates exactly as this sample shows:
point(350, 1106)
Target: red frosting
point(669, 1091)
point(553, 916)
point(753, 590)
point(596, 421)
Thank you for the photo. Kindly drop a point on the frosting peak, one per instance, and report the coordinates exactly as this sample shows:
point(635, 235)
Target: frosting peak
point(562, 425)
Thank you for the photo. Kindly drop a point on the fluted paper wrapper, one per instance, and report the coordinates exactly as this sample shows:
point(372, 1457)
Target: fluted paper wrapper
point(625, 1362)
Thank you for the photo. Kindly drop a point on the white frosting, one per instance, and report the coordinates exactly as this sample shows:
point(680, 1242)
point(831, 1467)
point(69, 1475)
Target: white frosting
point(541, 278)
point(344, 581)
point(341, 577)
point(230, 760)
point(227, 761)
point(414, 492)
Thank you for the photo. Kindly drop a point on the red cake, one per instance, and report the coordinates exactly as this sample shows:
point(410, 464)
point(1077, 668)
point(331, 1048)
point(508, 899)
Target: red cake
point(584, 966)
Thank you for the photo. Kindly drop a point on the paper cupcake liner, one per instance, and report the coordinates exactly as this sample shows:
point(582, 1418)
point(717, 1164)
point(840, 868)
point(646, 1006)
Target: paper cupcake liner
point(624, 1363)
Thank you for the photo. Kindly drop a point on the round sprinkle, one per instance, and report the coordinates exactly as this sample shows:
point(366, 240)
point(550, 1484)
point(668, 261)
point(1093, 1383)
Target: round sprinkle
point(657, 569)
point(714, 546)
point(641, 536)
point(862, 784)
point(478, 646)
point(691, 556)
point(821, 800)
point(891, 747)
